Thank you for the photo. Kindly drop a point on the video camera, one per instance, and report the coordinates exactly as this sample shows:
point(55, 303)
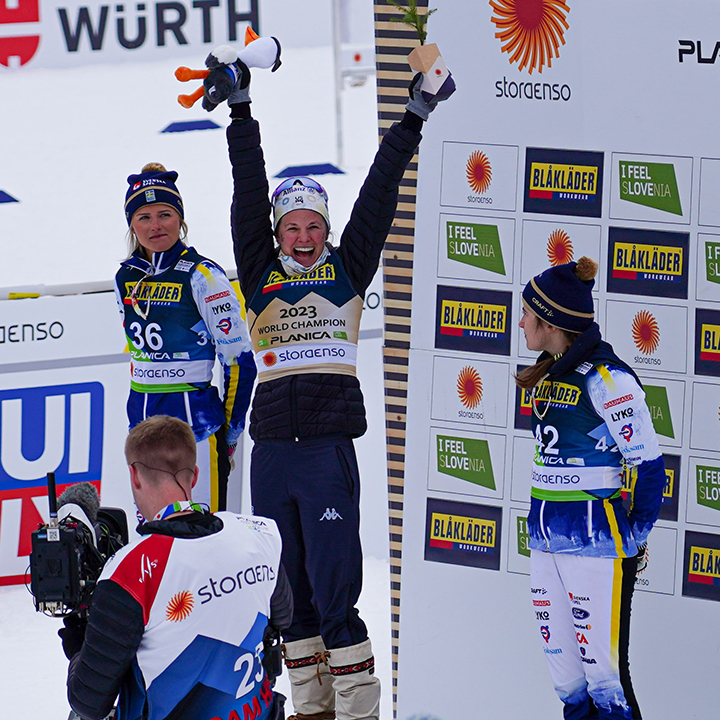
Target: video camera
point(69, 552)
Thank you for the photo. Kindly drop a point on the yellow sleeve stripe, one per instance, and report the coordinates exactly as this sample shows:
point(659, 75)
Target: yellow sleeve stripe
point(206, 272)
point(231, 392)
point(607, 377)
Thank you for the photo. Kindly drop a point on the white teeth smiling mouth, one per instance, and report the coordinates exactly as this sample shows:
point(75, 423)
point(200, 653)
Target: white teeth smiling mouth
point(305, 251)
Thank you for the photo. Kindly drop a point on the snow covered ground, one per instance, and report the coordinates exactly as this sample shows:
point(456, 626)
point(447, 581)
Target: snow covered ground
point(68, 140)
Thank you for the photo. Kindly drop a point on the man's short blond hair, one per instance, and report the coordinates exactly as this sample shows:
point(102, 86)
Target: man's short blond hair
point(162, 442)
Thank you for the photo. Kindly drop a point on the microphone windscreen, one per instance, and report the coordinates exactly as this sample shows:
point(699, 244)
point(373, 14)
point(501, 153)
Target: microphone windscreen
point(85, 496)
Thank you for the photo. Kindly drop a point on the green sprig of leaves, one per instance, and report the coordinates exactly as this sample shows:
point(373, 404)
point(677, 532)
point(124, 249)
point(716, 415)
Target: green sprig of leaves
point(412, 17)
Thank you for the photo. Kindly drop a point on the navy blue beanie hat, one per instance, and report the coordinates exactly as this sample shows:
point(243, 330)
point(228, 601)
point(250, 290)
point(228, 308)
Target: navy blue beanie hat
point(154, 184)
point(562, 295)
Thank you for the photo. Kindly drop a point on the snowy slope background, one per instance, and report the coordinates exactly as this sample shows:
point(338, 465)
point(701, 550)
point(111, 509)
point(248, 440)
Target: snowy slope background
point(68, 140)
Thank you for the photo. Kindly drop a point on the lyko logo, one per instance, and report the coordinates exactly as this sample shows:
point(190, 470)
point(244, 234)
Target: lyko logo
point(531, 31)
point(57, 428)
point(23, 47)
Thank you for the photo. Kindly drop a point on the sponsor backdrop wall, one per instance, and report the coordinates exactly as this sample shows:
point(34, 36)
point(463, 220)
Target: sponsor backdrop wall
point(577, 129)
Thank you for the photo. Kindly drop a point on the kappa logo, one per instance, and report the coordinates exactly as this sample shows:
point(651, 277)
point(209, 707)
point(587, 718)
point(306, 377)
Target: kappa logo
point(331, 514)
point(645, 332)
point(180, 606)
point(146, 567)
point(530, 31)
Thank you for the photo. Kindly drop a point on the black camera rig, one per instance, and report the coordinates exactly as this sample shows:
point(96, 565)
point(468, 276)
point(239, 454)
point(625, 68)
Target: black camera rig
point(69, 552)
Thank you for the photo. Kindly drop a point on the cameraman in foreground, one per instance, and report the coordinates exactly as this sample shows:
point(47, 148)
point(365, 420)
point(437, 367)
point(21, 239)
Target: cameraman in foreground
point(178, 618)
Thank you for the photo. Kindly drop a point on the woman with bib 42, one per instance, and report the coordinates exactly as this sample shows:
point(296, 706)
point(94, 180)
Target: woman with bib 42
point(591, 423)
point(180, 313)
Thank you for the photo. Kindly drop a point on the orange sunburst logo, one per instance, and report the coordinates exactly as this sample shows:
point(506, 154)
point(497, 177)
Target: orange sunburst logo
point(645, 332)
point(559, 248)
point(180, 606)
point(531, 31)
point(269, 359)
point(469, 387)
point(478, 172)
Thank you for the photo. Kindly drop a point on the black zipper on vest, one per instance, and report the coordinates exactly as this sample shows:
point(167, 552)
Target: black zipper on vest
point(294, 427)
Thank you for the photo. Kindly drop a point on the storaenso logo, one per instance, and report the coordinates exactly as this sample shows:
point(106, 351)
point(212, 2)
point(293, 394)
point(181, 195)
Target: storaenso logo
point(126, 27)
point(531, 33)
point(231, 583)
point(651, 184)
point(465, 458)
point(476, 245)
point(55, 428)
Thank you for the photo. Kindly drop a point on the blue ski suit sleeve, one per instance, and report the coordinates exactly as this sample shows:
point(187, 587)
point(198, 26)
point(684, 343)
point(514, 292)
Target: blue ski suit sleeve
point(620, 401)
point(219, 307)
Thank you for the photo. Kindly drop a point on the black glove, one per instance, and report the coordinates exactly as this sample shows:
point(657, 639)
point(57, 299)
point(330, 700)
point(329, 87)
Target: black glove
point(228, 79)
point(422, 104)
point(72, 634)
point(272, 653)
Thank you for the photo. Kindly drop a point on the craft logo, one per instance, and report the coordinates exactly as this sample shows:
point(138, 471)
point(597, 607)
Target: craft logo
point(559, 395)
point(559, 248)
point(465, 458)
point(657, 401)
point(563, 182)
point(707, 483)
point(648, 262)
point(463, 534)
point(523, 537)
point(180, 606)
point(479, 173)
point(707, 342)
point(472, 320)
point(651, 184)
point(530, 31)
point(701, 575)
point(712, 261)
point(646, 336)
point(670, 494)
point(156, 293)
point(476, 245)
point(323, 275)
